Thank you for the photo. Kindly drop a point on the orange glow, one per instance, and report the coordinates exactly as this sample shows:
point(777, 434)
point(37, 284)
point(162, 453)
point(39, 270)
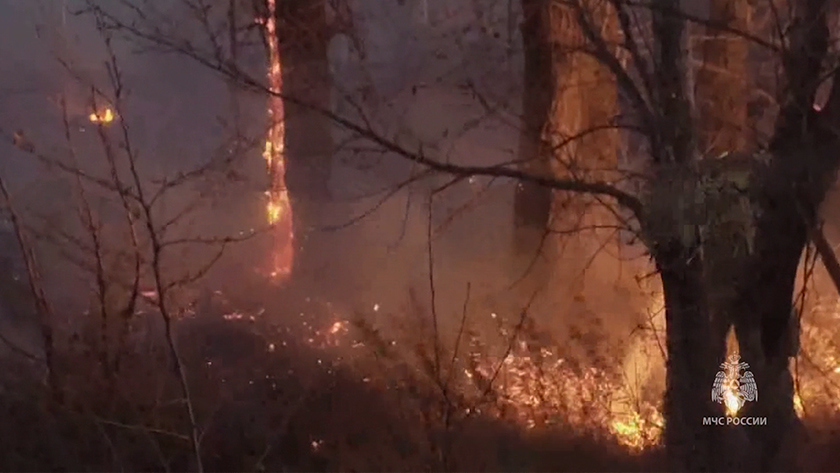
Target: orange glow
point(731, 401)
point(104, 116)
point(278, 208)
point(535, 386)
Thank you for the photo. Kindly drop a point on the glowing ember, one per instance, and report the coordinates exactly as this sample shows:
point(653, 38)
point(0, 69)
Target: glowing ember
point(340, 326)
point(278, 208)
point(104, 116)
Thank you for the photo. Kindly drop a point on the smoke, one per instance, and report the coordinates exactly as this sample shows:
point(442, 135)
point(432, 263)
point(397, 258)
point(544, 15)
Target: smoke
point(422, 81)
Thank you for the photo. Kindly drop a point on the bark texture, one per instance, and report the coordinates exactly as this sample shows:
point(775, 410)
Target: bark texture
point(721, 97)
point(570, 106)
point(304, 36)
point(674, 239)
point(786, 188)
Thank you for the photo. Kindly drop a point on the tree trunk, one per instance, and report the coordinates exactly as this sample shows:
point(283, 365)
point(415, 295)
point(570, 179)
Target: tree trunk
point(569, 106)
point(762, 311)
point(304, 36)
point(532, 203)
point(582, 136)
point(584, 140)
point(788, 192)
point(690, 366)
point(721, 96)
point(672, 232)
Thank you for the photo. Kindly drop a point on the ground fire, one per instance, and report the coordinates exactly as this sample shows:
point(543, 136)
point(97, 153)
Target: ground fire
point(537, 388)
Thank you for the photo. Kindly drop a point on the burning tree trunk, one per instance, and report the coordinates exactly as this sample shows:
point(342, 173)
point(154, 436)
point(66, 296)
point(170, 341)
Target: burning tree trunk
point(303, 34)
point(532, 203)
point(279, 208)
point(583, 136)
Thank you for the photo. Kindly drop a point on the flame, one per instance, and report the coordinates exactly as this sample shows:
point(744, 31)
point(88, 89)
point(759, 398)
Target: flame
point(104, 116)
point(535, 386)
point(732, 401)
point(797, 405)
point(278, 208)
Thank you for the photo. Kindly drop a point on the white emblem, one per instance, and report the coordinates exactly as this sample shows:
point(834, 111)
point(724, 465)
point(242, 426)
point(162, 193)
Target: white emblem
point(733, 389)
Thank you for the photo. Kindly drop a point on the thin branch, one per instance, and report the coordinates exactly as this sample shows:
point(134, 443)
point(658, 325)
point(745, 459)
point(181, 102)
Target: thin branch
point(827, 255)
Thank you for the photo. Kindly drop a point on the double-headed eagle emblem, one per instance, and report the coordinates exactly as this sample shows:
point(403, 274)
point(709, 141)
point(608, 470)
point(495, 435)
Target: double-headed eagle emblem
point(733, 389)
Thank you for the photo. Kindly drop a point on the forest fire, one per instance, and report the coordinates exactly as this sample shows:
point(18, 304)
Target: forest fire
point(278, 208)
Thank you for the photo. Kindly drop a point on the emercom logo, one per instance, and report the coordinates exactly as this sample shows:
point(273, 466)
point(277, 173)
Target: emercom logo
point(733, 387)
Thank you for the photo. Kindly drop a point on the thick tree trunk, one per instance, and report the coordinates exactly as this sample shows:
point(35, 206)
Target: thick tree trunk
point(690, 366)
point(569, 105)
point(304, 36)
point(675, 246)
point(721, 96)
point(762, 311)
point(582, 132)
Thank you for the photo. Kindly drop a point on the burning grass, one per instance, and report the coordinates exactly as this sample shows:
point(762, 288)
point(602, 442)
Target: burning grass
point(329, 391)
point(317, 392)
point(517, 373)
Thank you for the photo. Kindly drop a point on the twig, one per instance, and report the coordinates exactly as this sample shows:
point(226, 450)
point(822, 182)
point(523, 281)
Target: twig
point(827, 255)
point(432, 288)
point(143, 428)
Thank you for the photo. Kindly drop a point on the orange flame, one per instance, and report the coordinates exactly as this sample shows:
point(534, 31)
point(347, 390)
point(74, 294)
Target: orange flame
point(278, 208)
point(104, 116)
point(731, 401)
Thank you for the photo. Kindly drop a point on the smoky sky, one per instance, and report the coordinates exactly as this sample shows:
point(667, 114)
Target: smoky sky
point(432, 66)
